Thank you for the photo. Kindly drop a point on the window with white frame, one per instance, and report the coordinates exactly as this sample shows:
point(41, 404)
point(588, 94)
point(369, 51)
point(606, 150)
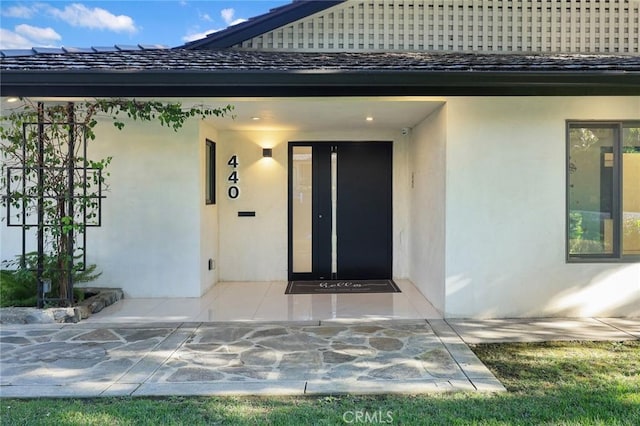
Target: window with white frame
point(603, 191)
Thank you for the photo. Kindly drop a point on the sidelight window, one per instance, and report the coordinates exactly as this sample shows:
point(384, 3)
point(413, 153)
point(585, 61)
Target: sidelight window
point(210, 173)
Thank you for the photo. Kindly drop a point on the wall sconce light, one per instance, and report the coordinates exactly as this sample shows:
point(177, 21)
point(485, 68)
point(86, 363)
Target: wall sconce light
point(267, 152)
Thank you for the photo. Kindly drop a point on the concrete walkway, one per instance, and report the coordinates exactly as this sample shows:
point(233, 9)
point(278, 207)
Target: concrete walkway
point(268, 358)
point(547, 329)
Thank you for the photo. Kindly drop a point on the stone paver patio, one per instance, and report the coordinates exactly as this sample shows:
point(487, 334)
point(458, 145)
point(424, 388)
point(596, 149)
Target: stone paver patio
point(270, 358)
point(320, 357)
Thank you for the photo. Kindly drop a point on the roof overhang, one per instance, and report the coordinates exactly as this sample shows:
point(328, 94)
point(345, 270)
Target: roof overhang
point(196, 83)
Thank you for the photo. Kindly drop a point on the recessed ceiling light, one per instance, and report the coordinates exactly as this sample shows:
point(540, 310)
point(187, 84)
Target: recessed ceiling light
point(369, 119)
point(12, 99)
point(255, 118)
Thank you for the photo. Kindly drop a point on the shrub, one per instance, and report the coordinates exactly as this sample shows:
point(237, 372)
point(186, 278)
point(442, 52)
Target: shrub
point(19, 285)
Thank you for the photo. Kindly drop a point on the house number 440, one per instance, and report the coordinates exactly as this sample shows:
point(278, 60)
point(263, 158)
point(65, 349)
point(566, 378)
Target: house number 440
point(234, 191)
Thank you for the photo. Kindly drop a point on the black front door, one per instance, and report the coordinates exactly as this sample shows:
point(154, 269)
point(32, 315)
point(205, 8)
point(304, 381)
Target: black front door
point(340, 213)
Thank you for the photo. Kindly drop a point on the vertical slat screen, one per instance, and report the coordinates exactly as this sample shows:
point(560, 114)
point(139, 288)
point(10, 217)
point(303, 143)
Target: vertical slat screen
point(506, 26)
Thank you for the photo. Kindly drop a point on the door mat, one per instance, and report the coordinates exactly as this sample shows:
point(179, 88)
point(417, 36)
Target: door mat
point(342, 286)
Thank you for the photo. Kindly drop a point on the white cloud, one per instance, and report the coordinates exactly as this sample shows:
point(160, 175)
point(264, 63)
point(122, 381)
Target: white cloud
point(237, 21)
point(27, 36)
point(11, 40)
point(23, 12)
point(43, 35)
point(78, 15)
point(227, 15)
point(197, 36)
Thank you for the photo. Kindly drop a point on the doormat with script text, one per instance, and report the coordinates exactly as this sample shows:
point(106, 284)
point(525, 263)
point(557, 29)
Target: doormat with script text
point(341, 286)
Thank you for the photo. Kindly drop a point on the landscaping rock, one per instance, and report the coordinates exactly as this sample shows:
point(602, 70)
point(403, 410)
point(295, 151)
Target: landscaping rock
point(104, 297)
point(25, 316)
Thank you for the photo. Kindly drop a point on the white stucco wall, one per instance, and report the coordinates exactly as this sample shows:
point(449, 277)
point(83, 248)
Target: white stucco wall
point(11, 238)
point(208, 235)
point(481, 233)
point(255, 248)
point(427, 161)
point(149, 240)
point(505, 203)
point(158, 234)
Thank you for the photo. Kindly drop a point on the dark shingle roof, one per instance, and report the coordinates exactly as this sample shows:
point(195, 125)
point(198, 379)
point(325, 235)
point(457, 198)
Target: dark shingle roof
point(216, 60)
point(206, 72)
point(64, 50)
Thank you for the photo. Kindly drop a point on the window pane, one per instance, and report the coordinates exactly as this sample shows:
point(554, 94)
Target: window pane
point(302, 209)
point(631, 191)
point(591, 164)
point(334, 211)
point(210, 179)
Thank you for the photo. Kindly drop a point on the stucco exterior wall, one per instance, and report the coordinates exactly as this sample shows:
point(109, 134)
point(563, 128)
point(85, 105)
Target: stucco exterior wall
point(480, 231)
point(505, 203)
point(149, 240)
point(427, 164)
point(158, 234)
point(11, 240)
point(255, 248)
point(209, 231)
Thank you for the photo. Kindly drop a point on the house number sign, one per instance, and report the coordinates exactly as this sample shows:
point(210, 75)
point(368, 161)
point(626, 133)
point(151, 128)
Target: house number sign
point(233, 191)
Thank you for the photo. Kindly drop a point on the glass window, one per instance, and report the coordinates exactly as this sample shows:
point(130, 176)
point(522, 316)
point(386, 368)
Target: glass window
point(210, 177)
point(302, 209)
point(603, 194)
point(631, 190)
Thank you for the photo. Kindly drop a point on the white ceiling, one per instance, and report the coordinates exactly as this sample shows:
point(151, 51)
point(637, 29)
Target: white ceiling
point(313, 114)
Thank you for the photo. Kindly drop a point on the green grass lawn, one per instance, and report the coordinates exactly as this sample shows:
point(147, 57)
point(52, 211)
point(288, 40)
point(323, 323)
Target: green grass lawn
point(570, 383)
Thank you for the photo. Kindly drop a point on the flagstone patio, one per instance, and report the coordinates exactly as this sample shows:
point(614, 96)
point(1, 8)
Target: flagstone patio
point(314, 357)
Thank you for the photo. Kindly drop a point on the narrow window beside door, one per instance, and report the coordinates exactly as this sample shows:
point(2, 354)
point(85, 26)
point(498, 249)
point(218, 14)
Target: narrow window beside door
point(302, 209)
point(210, 172)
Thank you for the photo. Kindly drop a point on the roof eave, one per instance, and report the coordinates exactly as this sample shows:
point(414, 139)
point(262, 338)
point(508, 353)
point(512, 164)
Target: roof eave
point(163, 83)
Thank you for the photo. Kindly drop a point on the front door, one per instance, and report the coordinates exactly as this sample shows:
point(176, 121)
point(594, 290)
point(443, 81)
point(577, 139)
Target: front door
point(340, 213)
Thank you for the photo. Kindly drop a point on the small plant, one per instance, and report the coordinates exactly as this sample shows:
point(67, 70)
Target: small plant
point(17, 289)
point(19, 281)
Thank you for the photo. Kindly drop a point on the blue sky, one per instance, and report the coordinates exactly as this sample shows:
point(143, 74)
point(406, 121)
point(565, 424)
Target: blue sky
point(85, 23)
